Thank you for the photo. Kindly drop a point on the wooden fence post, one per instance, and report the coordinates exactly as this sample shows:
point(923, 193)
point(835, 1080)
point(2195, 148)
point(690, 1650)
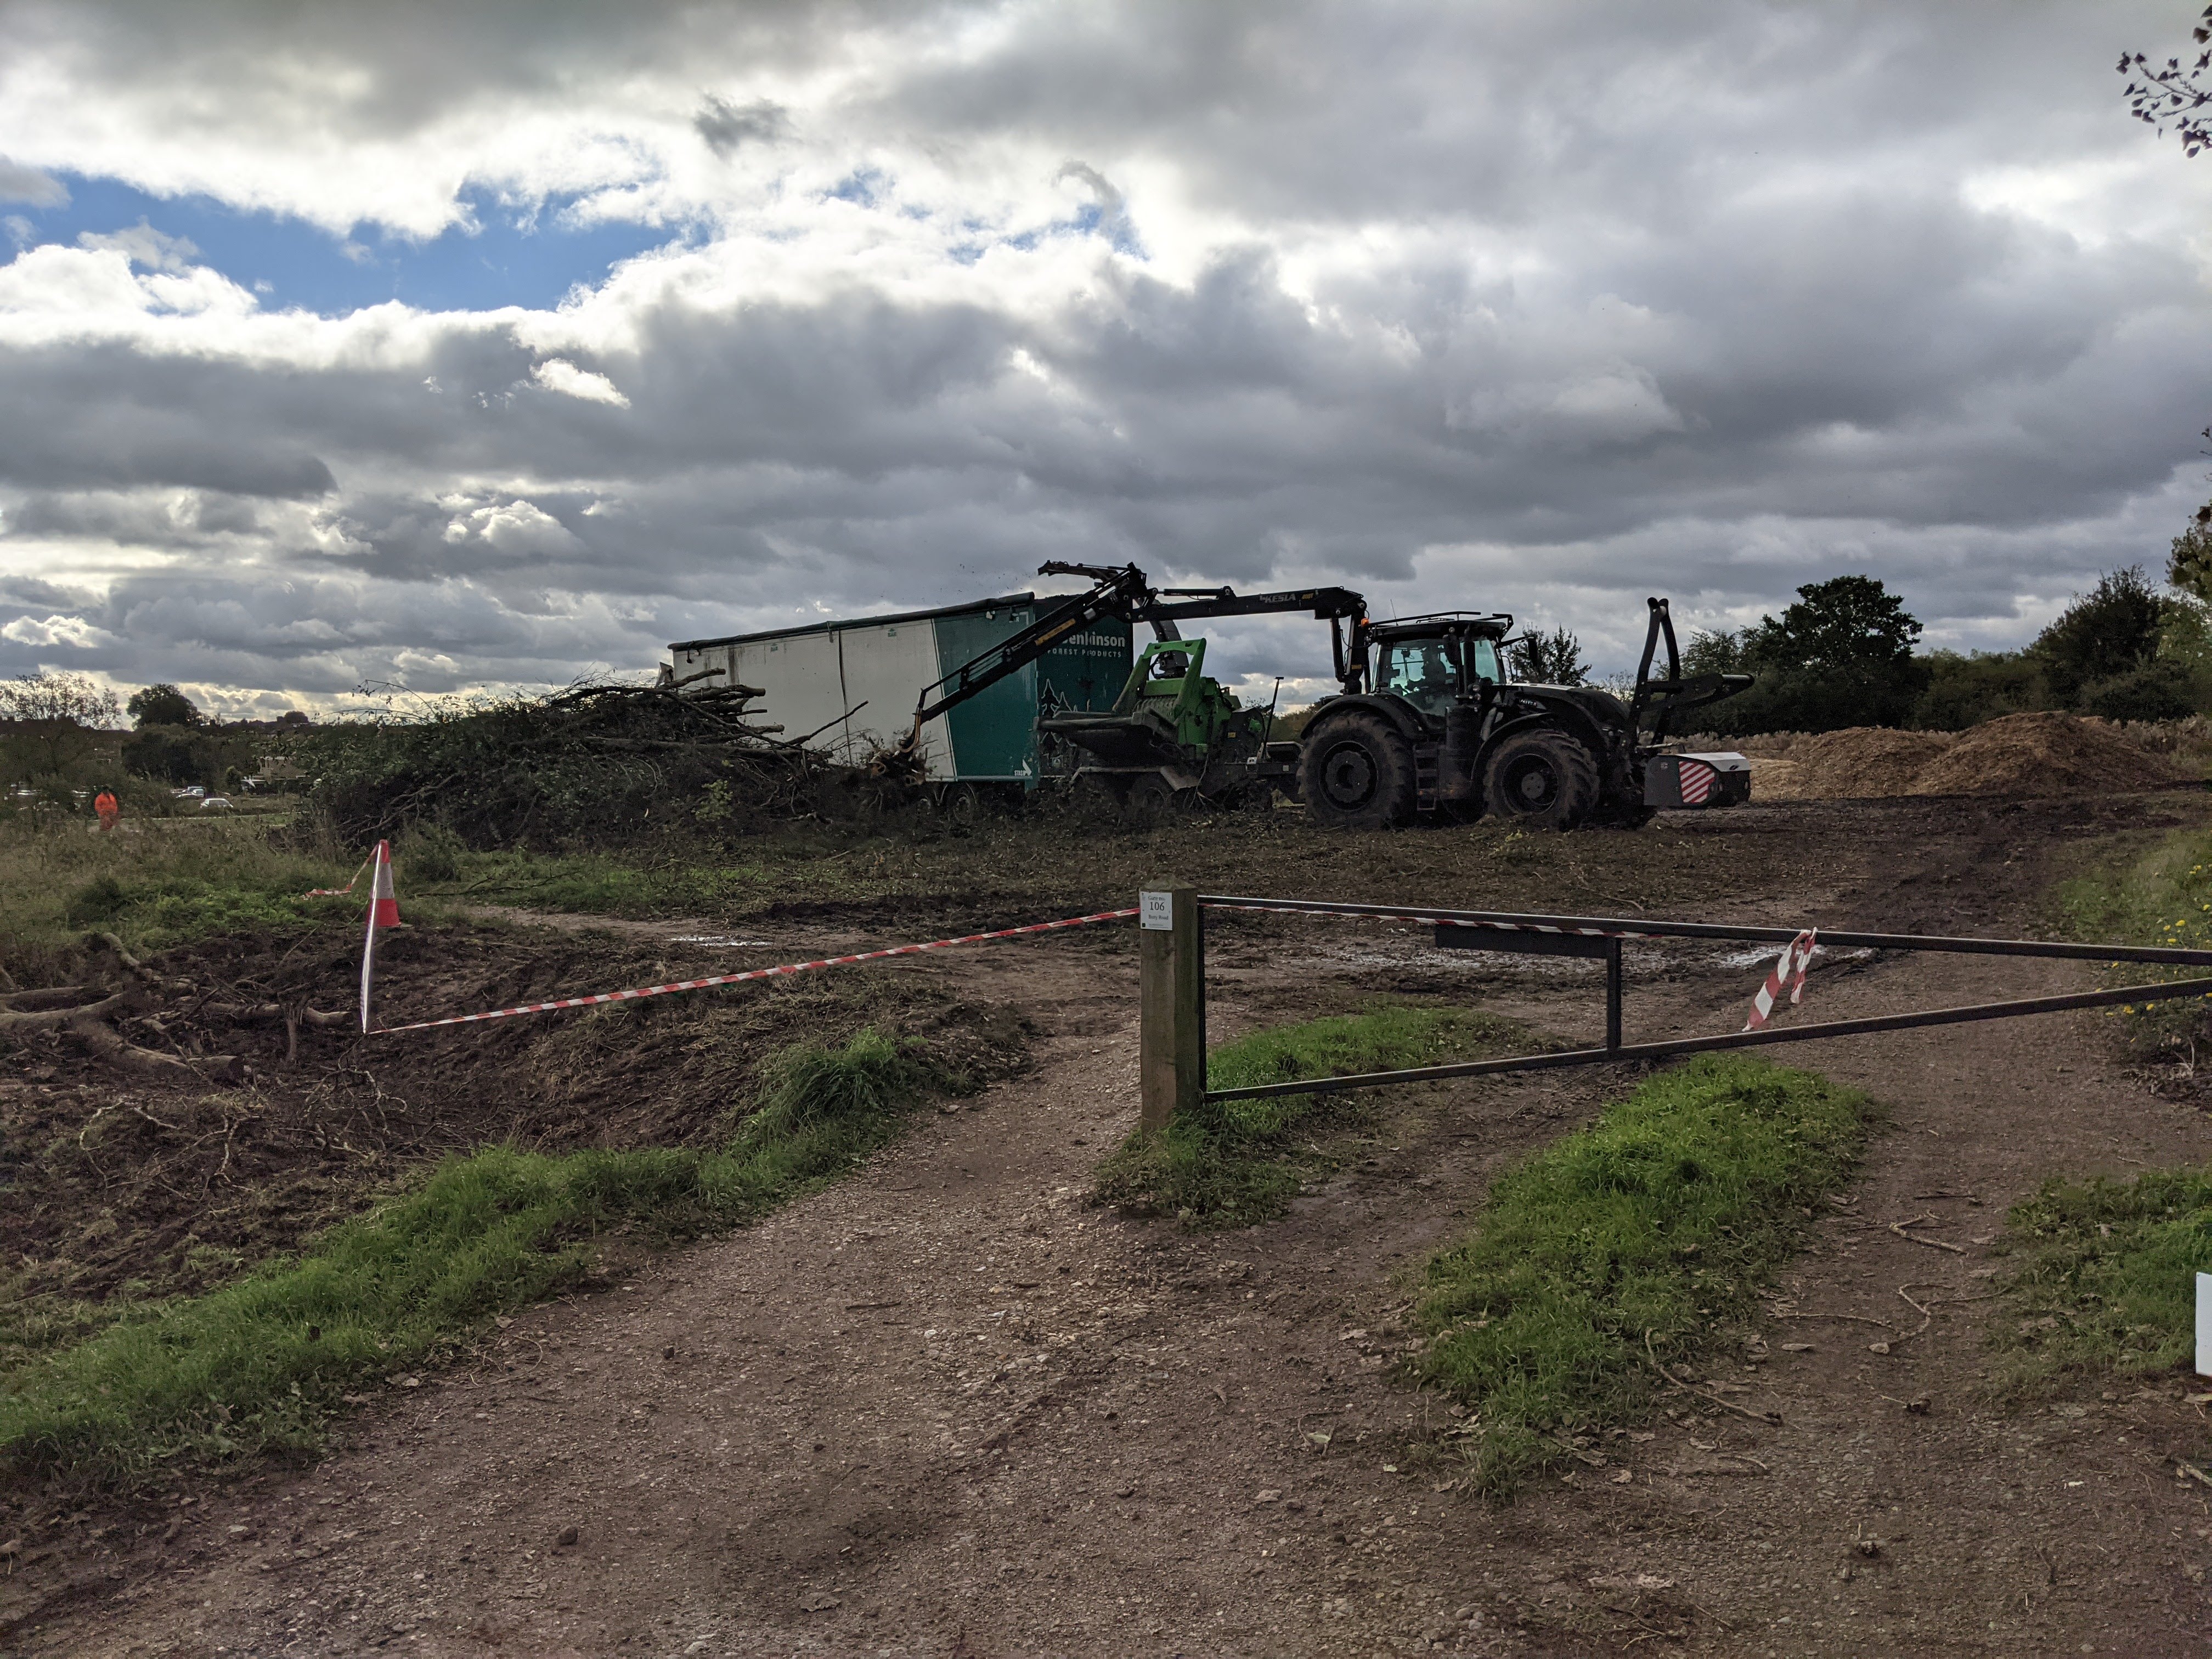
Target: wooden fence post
point(1170, 1003)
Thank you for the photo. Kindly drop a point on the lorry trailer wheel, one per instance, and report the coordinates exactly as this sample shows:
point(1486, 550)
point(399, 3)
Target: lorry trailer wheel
point(1544, 780)
point(1357, 773)
point(961, 805)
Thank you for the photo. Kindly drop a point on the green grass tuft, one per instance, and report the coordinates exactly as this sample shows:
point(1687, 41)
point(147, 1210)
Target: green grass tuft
point(2104, 1279)
point(1233, 1162)
point(2163, 896)
point(1654, 1225)
point(157, 882)
point(259, 1365)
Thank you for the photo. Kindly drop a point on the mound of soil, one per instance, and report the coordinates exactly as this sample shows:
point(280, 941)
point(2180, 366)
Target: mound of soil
point(2042, 755)
point(1862, 761)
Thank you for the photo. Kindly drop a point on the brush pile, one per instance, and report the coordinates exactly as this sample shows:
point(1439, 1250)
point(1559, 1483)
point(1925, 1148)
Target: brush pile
point(2017, 755)
point(597, 765)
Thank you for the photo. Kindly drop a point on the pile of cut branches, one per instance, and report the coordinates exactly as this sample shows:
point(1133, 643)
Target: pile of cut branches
point(596, 765)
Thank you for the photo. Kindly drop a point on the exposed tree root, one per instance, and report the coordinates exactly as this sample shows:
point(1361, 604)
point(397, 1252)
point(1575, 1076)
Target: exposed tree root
point(52, 996)
point(45, 1019)
point(119, 1050)
point(88, 1024)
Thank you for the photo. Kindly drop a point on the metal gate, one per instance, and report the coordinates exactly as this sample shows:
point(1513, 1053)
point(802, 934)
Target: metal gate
point(1173, 999)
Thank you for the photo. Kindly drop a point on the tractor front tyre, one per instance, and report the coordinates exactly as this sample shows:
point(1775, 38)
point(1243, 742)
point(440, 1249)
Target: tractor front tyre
point(1357, 773)
point(1543, 781)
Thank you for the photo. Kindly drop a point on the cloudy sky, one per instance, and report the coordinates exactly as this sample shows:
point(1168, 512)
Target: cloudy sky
point(453, 346)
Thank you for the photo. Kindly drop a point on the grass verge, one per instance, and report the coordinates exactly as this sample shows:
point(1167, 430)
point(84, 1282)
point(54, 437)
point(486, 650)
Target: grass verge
point(261, 1364)
point(1233, 1162)
point(1631, 1239)
point(2104, 1280)
point(2163, 896)
point(157, 882)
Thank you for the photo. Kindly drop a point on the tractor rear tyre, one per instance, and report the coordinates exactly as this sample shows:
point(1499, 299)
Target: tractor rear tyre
point(1543, 781)
point(1357, 773)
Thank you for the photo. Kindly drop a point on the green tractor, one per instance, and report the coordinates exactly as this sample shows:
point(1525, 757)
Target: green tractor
point(1429, 722)
point(1174, 741)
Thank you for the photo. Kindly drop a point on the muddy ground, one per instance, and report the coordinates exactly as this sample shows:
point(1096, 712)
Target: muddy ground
point(946, 1407)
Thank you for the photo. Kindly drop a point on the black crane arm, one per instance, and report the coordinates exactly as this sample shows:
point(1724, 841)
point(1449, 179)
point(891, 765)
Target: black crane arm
point(1334, 605)
point(1327, 603)
point(1117, 591)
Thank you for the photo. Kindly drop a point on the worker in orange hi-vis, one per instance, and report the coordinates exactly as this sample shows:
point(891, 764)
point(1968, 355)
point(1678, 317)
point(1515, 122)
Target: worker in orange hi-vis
point(108, 807)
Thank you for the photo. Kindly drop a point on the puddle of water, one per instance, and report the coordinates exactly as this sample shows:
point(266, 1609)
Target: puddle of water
point(1768, 952)
point(1763, 953)
point(721, 941)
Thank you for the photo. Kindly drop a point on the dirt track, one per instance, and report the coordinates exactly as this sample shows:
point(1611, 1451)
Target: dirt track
point(945, 1408)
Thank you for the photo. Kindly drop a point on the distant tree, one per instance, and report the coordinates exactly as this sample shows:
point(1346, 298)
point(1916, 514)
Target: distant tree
point(1713, 651)
point(162, 705)
point(1849, 622)
point(1841, 655)
point(57, 697)
point(2189, 566)
point(2173, 94)
point(1964, 690)
point(53, 722)
point(2112, 630)
point(167, 754)
point(1553, 658)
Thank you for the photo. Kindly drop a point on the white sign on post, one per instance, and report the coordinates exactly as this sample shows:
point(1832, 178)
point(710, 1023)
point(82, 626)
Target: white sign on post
point(2205, 1324)
point(1156, 911)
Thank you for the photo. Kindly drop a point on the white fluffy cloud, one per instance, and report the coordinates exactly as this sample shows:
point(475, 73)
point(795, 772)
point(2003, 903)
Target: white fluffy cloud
point(1538, 307)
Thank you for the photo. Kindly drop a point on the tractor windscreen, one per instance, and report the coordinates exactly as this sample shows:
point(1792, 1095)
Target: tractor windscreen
point(1420, 671)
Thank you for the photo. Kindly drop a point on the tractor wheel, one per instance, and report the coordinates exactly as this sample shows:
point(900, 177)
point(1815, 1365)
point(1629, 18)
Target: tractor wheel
point(1151, 801)
point(1544, 780)
point(1357, 773)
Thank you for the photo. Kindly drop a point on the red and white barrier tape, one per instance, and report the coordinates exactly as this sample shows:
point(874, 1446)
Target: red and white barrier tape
point(730, 979)
point(1789, 972)
point(339, 892)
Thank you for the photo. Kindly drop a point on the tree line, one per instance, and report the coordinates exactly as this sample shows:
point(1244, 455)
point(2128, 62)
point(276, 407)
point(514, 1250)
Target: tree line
point(58, 733)
point(1844, 655)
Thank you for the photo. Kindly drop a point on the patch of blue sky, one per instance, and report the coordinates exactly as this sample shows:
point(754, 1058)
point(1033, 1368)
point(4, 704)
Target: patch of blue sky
point(863, 187)
point(529, 256)
point(1088, 220)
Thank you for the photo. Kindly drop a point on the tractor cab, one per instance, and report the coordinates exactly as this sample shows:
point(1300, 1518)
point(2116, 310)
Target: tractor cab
point(1433, 662)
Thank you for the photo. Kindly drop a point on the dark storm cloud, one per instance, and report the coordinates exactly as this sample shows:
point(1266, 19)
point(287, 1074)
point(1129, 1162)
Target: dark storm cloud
point(107, 417)
point(726, 126)
point(30, 187)
point(150, 519)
